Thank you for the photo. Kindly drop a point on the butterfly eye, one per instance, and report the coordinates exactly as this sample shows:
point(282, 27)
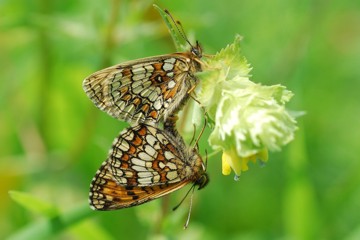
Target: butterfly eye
point(203, 181)
point(197, 50)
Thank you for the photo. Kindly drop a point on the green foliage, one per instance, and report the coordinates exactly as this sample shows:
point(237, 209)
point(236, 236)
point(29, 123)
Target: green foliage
point(53, 139)
point(174, 33)
point(34, 204)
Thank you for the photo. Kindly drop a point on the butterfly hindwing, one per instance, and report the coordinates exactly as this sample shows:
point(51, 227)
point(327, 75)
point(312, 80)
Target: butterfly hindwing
point(145, 163)
point(107, 194)
point(144, 156)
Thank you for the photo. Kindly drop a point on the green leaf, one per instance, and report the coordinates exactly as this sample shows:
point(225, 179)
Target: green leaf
point(34, 204)
point(177, 38)
point(48, 227)
point(90, 230)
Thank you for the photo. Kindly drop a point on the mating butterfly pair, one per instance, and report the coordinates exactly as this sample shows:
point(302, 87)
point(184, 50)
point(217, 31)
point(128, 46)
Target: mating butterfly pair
point(146, 162)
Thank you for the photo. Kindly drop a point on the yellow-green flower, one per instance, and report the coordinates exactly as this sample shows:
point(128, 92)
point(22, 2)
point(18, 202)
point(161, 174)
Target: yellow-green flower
point(248, 118)
point(231, 160)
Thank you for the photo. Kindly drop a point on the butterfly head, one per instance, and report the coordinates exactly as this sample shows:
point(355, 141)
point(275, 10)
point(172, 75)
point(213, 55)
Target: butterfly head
point(201, 178)
point(196, 50)
point(202, 181)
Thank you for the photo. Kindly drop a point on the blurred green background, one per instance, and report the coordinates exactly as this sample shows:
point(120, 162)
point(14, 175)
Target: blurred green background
point(53, 139)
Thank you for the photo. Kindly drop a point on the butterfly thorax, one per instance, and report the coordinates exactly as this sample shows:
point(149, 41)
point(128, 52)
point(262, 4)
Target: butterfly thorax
point(202, 180)
point(193, 63)
point(184, 69)
point(196, 170)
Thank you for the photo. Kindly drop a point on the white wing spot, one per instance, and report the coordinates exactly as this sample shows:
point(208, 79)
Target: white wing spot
point(138, 77)
point(152, 96)
point(151, 140)
point(116, 154)
point(137, 89)
point(129, 174)
point(171, 165)
point(158, 103)
point(136, 69)
point(169, 155)
point(138, 162)
point(151, 151)
point(144, 156)
point(115, 84)
point(166, 103)
point(139, 169)
point(138, 66)
point(147, 75)
point(145, 181)
point(121, 105)
point(122, 180)
point(115, 163)
point(138, 116)
point(170, 60)
point(162, 138)
point(144, 174)
point(171, 175)
point(118, 172)
point(129, 136)
point(168, 67)
point(151, 130)
point(124, 146)
point(129, 108)
point(171, 84)
point(149, 68)
point(156, 178)
point(161, 165)
point(136, 84)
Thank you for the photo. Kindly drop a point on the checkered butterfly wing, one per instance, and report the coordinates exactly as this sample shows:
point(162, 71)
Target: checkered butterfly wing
point(145, 163)
point(147, 89)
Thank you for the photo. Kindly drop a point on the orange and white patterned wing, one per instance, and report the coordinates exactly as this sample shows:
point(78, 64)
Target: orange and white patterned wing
point(144, 164)
point(144, 90)
point(107, 194)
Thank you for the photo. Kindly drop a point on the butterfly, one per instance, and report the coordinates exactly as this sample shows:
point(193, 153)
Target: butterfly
point(148, 89)
point(145, 163)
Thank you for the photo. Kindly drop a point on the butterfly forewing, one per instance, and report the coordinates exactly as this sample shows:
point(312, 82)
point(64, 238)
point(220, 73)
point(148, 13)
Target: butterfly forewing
point(144, 90)
point(145, 163)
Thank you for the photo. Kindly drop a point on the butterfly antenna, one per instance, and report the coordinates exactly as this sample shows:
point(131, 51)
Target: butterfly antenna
point(177, 24)
point(197, 101)
point(190, 209)
point(182, 29)
point(193, 137)
point(190, 92)
point(182, 200)
point(201, 133)
point(206, 159)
